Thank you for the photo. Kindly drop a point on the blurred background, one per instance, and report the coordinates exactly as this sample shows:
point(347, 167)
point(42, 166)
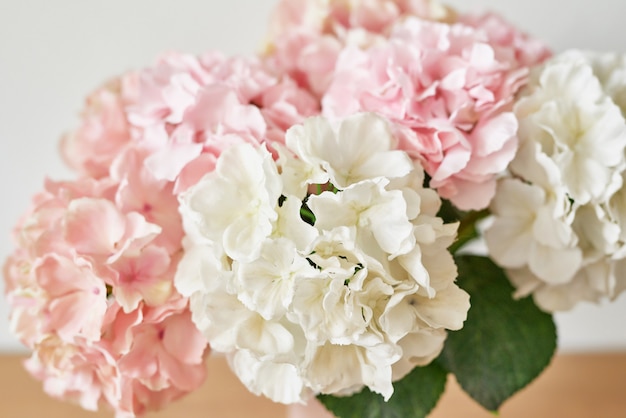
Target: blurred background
point(53, 53)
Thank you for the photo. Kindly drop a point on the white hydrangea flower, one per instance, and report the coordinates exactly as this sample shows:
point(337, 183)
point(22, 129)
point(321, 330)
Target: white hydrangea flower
point(279, 381)
point(526, 232)
point(577, 126)
point(370, 208)
point(198, 269)
point(235, 205)
point(559, 222)
point(360, 148)
point(290, 225)
point(337, 304)
point(610, 68)
point(267, 283)
point(418, 348)
point(344, 369)
point(324, 271)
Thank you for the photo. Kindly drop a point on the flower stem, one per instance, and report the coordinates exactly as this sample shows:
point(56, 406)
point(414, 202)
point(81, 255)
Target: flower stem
point(467, 229)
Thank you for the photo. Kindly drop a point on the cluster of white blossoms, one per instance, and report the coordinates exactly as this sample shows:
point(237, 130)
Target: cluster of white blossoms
point(325, 270)
point(560, 217)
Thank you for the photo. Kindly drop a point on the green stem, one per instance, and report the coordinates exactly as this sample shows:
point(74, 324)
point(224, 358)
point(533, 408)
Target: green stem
point(467, 229)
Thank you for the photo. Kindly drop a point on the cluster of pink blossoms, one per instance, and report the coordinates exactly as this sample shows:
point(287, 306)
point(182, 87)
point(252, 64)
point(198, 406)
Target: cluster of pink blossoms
point(91, 281)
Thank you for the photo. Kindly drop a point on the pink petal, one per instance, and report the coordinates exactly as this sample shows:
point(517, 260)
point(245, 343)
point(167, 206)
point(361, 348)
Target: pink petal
point(94, 226)
point(183, 340)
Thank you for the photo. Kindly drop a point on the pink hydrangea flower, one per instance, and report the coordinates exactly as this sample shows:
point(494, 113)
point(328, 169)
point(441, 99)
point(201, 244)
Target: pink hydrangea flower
point(224, 101)
point(307, 57)
point(82, 373)
point(104, 130)
point(88, 283)
point(306, 36)
point(337, 16)
point(179, 109)
point(508, 40)
point(449, 88)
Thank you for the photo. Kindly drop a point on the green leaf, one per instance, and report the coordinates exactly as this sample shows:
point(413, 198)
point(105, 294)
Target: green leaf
point(414, 397)
point(504, 344)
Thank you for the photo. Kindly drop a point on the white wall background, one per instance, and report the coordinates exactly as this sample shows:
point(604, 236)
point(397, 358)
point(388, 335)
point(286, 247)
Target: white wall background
point(52, 53)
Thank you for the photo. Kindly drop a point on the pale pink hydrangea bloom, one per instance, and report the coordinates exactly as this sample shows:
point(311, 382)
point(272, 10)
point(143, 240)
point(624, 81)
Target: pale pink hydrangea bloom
point(104, 130)
point(182, 108)
point(91, 292)
point(306, 36)
point(338, 16)
point(82, 373)
point(449, 88)
point(193, 108)
point(507, 39)
point(308, 57)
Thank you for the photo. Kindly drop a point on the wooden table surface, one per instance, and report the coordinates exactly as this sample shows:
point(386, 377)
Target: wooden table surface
point(574, 386)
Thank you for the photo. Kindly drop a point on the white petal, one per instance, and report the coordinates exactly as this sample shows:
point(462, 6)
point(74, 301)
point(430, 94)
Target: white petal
point(554, 265)
point(197, 270)
point(418, 349)
point(264, 337)
point(280, 382)
point(447, 310)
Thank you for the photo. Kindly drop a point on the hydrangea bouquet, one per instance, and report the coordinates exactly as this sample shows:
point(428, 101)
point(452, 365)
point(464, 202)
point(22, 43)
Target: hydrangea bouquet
point(306, 211)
